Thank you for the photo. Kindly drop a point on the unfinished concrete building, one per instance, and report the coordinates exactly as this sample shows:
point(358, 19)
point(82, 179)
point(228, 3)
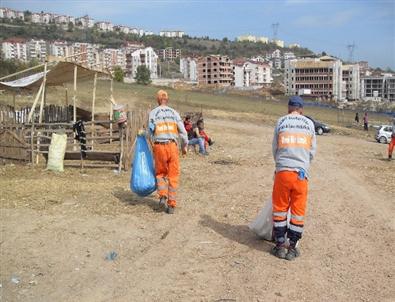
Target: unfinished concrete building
point(351, 82)
point(319, 77)
point(378, 88)
point(215, 70)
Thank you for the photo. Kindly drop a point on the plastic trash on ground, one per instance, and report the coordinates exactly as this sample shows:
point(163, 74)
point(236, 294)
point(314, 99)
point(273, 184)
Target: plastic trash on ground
point(262, 226)
point(143, 181)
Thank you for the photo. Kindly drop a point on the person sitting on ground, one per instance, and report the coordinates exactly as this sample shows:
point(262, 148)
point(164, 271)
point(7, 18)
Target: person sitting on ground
point(207, 140)
point(194, 138)
point(188, 124)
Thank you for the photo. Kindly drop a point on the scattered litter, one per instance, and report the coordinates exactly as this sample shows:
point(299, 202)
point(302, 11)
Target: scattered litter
point(1, 285)
point(111, 256)
point(116, 172)
point(15, 280)
point(33, 282)
point(164, 235)
point(77, 268)
point(206, 242)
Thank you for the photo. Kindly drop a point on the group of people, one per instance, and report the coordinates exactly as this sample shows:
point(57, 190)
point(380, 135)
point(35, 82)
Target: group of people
point(294, 146)
point(197, 136)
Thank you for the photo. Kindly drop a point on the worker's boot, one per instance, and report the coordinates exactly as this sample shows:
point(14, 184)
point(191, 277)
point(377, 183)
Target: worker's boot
point(170, 210)
point(390, 157)
point(163, 201)
point(293, 252)
point(279, 251)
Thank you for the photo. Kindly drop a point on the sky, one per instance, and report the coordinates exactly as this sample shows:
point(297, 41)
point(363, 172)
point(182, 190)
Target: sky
point(321, 25)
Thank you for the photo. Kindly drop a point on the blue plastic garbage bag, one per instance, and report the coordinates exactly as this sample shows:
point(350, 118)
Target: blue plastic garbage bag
point(143, 181)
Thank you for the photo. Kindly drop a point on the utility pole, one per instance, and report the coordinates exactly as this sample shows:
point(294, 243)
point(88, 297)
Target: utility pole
point(275, 27)
point(351, 48)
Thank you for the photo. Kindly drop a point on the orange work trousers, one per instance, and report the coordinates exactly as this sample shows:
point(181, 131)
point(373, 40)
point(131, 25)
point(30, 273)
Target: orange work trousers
point(289, 192)
point(391, 147)
point(167, 170)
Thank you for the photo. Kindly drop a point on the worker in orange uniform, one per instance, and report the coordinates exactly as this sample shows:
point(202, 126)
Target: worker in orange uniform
point(294, 146)
point(392, 143)
point(165, 125)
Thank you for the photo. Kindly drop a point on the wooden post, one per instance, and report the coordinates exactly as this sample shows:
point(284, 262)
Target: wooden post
point(111, 112)
point(121, 149)
point(75, 95)
point(93, 108)
point(32, 143)
point(40, 117)
point(35, 102)
point(66, 96)
point(43, 94)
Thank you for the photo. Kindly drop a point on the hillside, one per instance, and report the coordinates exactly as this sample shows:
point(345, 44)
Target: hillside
point(188, 45)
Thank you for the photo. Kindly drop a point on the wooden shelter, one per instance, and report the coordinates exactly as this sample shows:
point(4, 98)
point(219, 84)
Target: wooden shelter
point(26, 133)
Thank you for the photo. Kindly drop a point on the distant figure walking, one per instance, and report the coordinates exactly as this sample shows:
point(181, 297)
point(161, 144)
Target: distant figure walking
point(365, 122)
point(357, 118)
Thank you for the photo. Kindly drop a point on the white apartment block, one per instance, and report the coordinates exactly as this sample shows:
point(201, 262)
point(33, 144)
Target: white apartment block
point(111, 57)
point(105, 26)
point(146, 57)
point(289, 56)
point(172, 33)
point(279, 43)
point(36, 18)
point(62, 19)
point(11, 14)
point(148, 33)
point(123, 29)
point(85, 22)
point(294, 45)
point(36, 50)
point(169, 54)
point(251, 38)
point(86, 53)
point(14, 49)
point(188, 67)
point(60, 49)
point(251, 74)
point(351, 82)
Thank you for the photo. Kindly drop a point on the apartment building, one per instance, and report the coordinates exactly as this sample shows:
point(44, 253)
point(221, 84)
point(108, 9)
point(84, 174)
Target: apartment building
point(87, 53)
point(85, 22)
point(169, 54)
point(378, 88)
point(188, 67)
point(322, 77)
point(36, 50)
point(279, 43)
point(146, 57)
point(351, 82)
point(59, 49)
point(248, 73)
point(14, 48)
point(294, 45)
point(111, 57)
point(389, 88)
point(172, 33)
point(11, 14)
point(105, 26)
point(215, 70)
point(252, 38)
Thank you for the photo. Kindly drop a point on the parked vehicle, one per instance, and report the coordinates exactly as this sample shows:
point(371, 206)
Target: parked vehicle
point(320, 128)
point(383, 134)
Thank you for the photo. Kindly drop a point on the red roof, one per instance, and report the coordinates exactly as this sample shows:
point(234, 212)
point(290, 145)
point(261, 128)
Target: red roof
point(14, 40)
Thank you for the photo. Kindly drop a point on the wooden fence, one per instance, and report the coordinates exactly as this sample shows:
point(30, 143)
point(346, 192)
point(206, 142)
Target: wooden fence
point(107, 143)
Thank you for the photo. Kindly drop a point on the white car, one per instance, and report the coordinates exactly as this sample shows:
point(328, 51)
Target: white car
point(383, 134)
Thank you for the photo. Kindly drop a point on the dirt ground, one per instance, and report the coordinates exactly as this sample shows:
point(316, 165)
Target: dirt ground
point(56, 229)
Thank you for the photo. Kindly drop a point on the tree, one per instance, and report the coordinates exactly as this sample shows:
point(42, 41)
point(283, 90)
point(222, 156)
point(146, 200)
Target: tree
point(70, 27)
point(118, 74)
point(143, 75)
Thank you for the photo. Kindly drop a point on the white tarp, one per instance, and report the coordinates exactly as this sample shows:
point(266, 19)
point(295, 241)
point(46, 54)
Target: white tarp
point(62, 72)
point(24, 82)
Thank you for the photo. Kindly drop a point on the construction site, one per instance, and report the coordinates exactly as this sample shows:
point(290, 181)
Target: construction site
point(82, 235)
